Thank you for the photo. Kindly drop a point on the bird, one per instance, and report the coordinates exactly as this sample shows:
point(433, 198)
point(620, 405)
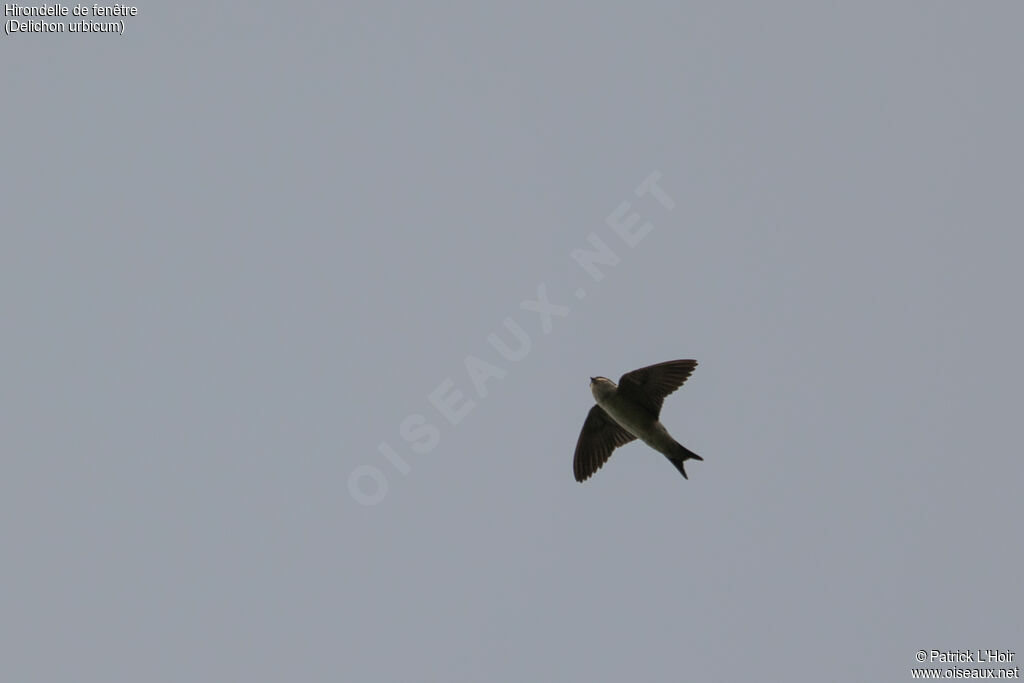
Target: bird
point(628, 411)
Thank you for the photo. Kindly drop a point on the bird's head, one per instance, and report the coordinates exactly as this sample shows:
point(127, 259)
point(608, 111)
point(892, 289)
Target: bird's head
point(601, 387)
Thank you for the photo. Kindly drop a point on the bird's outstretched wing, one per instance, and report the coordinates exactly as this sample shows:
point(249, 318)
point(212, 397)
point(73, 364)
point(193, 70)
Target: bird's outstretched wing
point(649, 386)
point(599, 437)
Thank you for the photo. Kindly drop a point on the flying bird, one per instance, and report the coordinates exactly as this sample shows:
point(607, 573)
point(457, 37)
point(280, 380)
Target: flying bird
point(630, 411)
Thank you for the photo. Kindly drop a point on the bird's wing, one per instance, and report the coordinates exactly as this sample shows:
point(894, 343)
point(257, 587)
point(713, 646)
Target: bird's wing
point(599, 437)
point(649, 386)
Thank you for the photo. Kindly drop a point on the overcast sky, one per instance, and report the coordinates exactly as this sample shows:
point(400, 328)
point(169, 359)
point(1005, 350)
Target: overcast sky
point(299, 310)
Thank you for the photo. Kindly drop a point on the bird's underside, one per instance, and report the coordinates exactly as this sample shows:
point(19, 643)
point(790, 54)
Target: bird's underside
point(629, 411)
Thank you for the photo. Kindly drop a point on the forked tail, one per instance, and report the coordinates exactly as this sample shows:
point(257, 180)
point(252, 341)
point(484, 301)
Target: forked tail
point(681, 455)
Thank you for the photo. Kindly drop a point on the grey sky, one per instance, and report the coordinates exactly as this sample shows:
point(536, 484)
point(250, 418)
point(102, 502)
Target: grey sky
point(241, 248)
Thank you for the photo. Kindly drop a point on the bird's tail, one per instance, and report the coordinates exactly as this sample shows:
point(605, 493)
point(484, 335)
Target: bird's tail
point(681, 455)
